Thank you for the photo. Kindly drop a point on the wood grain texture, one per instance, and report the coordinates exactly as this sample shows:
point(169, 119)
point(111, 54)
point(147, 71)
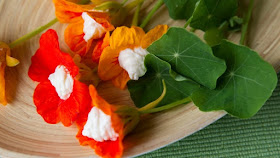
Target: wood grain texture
point(23, 133)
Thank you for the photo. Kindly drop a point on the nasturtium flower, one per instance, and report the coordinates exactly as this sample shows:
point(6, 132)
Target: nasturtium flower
point(123, 59)
point(59, 95)
point(5, 60)
point(101, 128)
point(86, 26)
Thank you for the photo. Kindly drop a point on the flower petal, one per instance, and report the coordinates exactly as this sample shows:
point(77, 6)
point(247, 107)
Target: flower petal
point(79, 101)
point(153, 35)
point(74, 37)
point(46, 100)
point(121, 80)
point(3, 100)
point(68, 12)
point(126, 37)
point(109, 149)
point(109, 66)
point(100, 46)
point(48, 57)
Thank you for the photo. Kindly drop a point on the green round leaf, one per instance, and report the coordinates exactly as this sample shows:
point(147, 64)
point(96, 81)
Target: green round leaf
point(189, 56)
point(246, 85)
point(180, 9)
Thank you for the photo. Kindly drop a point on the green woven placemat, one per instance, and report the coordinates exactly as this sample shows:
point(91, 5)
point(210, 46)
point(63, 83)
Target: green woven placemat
point(258, 136)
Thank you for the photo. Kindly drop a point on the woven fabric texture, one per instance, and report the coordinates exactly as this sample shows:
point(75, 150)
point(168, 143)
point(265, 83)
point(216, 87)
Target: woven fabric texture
point(258, 136)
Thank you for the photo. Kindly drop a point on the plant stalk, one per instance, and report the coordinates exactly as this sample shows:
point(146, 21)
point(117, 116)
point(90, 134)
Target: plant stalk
point(32, 34)
point(167, 107)
point(136, 15)
point(247, 18)
point(151, 13)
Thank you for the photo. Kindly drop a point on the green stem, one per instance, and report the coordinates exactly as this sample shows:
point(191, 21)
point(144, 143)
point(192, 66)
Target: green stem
point(124, 2)
point(32, 34)
point(166, 107)
point(188, 23)
point(246, 23)
point(136, 15)
point(84, 2)
point(133, 4)
point(151, 13)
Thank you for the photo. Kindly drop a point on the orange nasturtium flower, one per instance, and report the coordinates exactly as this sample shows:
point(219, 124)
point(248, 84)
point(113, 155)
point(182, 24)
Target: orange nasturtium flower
point(5, 60)
point(86, 26)
point(59, 95)
point(101, 128)
point(123, 59)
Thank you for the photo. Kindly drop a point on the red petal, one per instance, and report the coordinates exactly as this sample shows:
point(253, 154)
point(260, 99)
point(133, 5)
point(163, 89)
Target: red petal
point(46, 100)
point(109, 149)
point(77, 102)
point(48, 57)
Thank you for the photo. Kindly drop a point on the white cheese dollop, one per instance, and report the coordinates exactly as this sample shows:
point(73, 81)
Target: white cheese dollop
point(132, 60)
point(63, 82)
point(99, 126)
point(92, 28)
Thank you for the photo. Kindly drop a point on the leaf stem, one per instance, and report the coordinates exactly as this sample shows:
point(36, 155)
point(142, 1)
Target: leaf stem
point(167, 107)
point(247, 18)
point(136, 15)
point(124, 2)
point(84, 1)
point(151, 13)
point(188, 22)
point(133, 4)
point(32, 34)
point(153, 104)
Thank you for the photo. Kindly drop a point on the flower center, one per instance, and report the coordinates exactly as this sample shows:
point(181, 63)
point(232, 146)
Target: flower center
point(132, 60)
point(99, 126)
point(62, 81)
point(92, 29)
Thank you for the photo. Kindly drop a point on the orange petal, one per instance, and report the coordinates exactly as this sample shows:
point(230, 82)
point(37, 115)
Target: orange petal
point(153, 35)
point(3, 100)
point(74, 37)
point(126, 37)
point(100, 46)
point(121, 80)
point(69, 12)
point(109, 66)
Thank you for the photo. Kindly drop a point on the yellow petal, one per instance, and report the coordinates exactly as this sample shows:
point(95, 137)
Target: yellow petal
point(11, 62)
point(153, 35)
point(126, 37)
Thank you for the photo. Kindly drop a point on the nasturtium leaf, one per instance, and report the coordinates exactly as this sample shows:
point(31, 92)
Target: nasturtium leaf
point(149, 87)
point(242, 90)
point(212, 13)
point(180, 9)
point(189, 56)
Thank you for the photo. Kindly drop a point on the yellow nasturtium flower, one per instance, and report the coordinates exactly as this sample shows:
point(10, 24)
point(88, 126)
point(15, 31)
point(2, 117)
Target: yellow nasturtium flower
point(5, 60)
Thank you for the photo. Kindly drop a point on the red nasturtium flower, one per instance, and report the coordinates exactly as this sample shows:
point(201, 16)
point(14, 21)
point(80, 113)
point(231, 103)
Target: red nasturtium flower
point(124, 58)
point(86, 26)
point(5, 60)
point(59, 96)
point(101, 128)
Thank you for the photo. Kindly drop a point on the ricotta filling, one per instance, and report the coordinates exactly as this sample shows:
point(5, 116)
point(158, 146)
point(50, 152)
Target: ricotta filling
point(132, 60)
point(92, 28)
point(99, 126)
point(63, 82)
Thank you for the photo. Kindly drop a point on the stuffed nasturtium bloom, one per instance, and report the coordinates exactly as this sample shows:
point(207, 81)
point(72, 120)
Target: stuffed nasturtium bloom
point(101, 128)
point(59, 96)
point(123, 59)
point(5, 60)
point(86, 26)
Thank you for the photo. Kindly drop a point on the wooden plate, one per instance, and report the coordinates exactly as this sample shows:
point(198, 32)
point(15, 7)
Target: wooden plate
point(23, 133)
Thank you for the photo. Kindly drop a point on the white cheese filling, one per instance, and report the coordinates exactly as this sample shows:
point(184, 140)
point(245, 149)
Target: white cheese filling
point(92, 28)
point(99, 126)
point(132, 60)
point(63, 82)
